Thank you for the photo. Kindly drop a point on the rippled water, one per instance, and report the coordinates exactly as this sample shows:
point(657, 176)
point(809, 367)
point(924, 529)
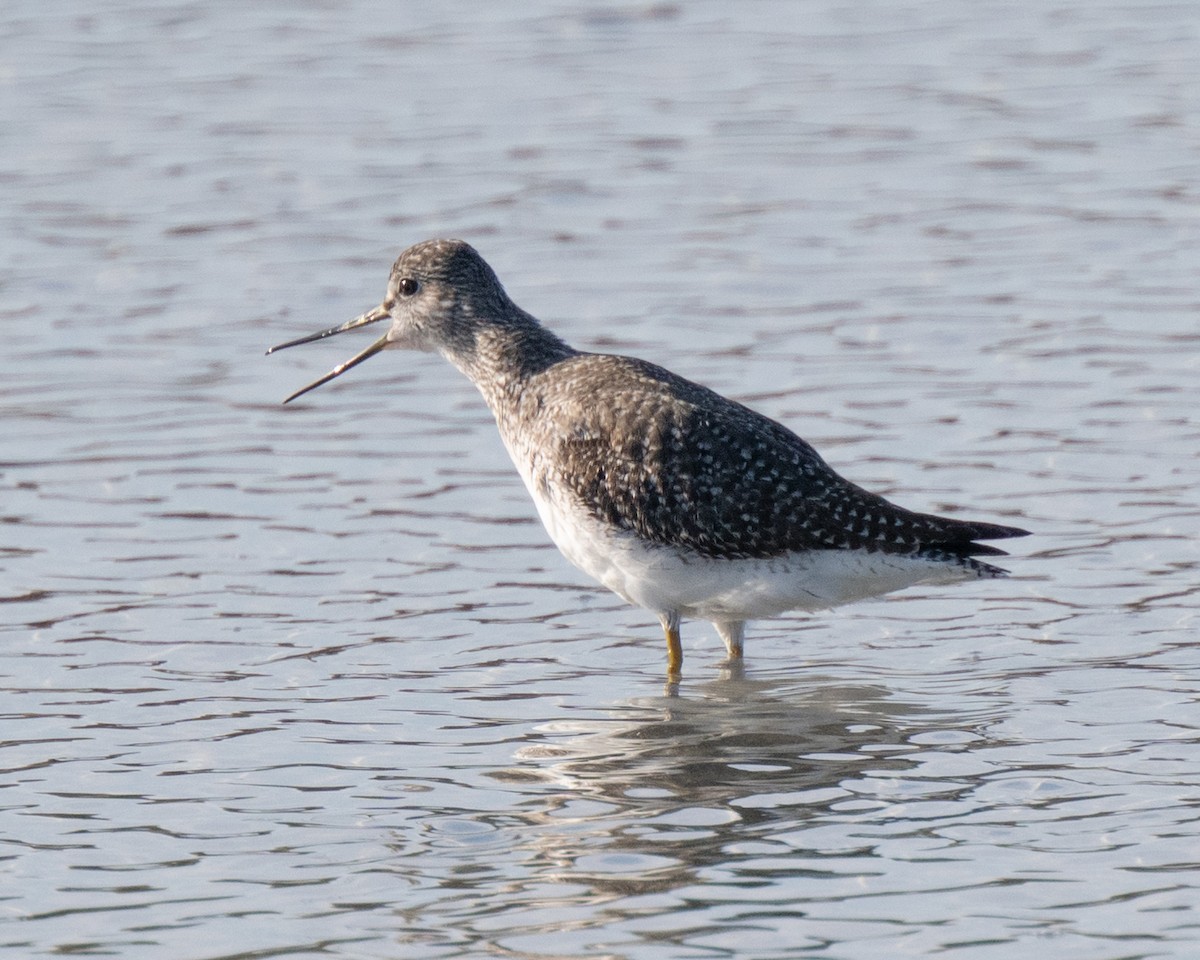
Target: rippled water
point(288, 682)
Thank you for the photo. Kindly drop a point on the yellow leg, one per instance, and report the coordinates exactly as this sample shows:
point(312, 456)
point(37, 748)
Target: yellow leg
point(670, 625)
point(733, 632)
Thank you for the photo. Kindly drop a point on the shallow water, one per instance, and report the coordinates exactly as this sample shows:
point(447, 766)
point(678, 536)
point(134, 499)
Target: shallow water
point(309, 681)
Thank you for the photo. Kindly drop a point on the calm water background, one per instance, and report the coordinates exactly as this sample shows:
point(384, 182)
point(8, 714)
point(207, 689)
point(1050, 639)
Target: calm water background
point(310, 681)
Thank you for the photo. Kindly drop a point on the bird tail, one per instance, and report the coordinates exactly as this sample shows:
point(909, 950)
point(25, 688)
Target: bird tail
point(963, 546)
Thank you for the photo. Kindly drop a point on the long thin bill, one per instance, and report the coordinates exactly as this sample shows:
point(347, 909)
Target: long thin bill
point(371, 316)
point(342, 367)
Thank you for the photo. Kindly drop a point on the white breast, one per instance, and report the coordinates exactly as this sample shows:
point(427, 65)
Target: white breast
point(668, 579)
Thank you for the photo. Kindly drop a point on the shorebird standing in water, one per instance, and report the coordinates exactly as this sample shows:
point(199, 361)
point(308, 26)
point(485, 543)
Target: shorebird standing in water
point(675, 498)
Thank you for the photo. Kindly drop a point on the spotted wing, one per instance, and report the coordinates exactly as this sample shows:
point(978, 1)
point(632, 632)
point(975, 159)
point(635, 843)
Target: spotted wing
point(679, 465)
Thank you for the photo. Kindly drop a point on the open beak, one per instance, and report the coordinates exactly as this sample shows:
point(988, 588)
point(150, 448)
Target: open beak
point(371, 316)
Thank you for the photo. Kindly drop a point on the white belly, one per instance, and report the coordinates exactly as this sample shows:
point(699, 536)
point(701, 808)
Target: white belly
point(668, 580)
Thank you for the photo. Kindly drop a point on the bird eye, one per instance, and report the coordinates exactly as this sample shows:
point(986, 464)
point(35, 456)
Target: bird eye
point(407, 286)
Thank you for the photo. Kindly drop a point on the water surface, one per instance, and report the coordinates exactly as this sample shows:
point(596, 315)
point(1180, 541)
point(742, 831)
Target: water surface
point(310, 681)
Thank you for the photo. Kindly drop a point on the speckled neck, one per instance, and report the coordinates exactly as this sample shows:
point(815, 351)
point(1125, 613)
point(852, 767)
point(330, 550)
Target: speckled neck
point(502, 352)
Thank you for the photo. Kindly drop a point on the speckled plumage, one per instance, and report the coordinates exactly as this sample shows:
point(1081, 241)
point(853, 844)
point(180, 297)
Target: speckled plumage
point(679, 465)
point(675, 497)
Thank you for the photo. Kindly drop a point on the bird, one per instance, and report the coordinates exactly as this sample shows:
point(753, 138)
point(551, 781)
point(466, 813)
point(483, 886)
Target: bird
point(679, 500)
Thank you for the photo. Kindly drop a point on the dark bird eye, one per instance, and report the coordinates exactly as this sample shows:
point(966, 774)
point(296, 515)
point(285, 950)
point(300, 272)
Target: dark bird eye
point(408, 286)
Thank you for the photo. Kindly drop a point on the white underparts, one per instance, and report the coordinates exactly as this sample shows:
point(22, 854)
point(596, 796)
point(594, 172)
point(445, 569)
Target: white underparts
point(728, 592)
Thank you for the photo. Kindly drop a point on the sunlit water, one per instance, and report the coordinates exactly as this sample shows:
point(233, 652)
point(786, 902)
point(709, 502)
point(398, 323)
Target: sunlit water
point(289, 682)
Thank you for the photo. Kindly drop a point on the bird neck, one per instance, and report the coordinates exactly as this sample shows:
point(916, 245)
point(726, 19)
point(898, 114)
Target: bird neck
point(501, 355)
